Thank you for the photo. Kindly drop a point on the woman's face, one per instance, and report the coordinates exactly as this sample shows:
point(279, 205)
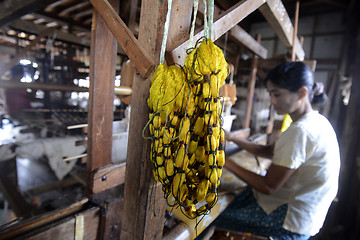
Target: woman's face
point(283, 100)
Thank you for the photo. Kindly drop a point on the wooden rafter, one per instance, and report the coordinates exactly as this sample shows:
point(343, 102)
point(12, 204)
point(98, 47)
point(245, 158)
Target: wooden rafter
point(12, 10)
point(36, 29)
point(135, 51)
point(224, 23)
point(61, 20)
point(275, 13)
point(239, 35)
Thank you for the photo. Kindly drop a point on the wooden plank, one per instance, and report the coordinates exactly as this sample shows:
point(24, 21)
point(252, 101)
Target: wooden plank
point(108, 177)
point(83, 225)
point(91, 223)
point(144, 205)
point(56, 231)
point(11, 10)
point(239, 35)
point(251, 89)
point(23, 51)
point(101, 95)
point(275, 13)
point(224, 23)
point(133, 49)
point(112, 222)
point(30, 224)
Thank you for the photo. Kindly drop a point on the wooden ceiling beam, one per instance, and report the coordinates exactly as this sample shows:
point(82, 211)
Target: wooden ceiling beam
point(75, 7)
point(12, 10)
point(246, 40)
point(30, 27)
point(275, 13)
point(61, 20)
point(239, 35)
point(27, 26)
point(224, 23)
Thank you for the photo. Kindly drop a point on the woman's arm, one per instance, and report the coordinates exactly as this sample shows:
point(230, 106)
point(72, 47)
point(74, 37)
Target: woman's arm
point(275, 177)
point(256, 149)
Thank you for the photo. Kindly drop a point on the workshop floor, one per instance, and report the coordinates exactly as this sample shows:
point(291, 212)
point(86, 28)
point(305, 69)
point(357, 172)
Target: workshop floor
point(33, 175)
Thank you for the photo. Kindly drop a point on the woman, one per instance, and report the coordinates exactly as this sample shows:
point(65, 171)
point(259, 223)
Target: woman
point(291, 201)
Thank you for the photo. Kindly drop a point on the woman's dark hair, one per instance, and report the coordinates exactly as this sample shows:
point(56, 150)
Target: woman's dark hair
point(294, 75)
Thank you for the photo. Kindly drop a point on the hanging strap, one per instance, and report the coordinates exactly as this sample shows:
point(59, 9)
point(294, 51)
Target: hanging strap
point(206, 28)
point(166, 30)
point(211, 17)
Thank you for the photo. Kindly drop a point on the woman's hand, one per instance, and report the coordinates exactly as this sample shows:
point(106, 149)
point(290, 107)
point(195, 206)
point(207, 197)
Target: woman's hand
point(228, 135)
point(230, 165)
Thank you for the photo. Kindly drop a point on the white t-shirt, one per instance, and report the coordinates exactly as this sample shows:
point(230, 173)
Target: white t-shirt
point(310, 146)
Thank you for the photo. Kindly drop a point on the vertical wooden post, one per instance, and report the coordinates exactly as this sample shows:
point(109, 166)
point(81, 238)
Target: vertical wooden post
point(101, 95)
point(132, 15)
point(144, 205)
point(293, 55)
point(251, 88)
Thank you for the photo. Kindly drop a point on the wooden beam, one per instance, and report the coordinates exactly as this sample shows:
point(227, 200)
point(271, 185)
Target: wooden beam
point(101, 96)
point(12, 10)
point(245, 39)
point(108, 177)
point(144, 204)
point(295, 30)
point(239, 35)
point(133, 49)
point(275, 13)
point(224, 23)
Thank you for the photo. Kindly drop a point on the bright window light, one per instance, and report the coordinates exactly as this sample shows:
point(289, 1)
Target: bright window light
point(84, 83)
point(25, 62)
point(26, 79)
